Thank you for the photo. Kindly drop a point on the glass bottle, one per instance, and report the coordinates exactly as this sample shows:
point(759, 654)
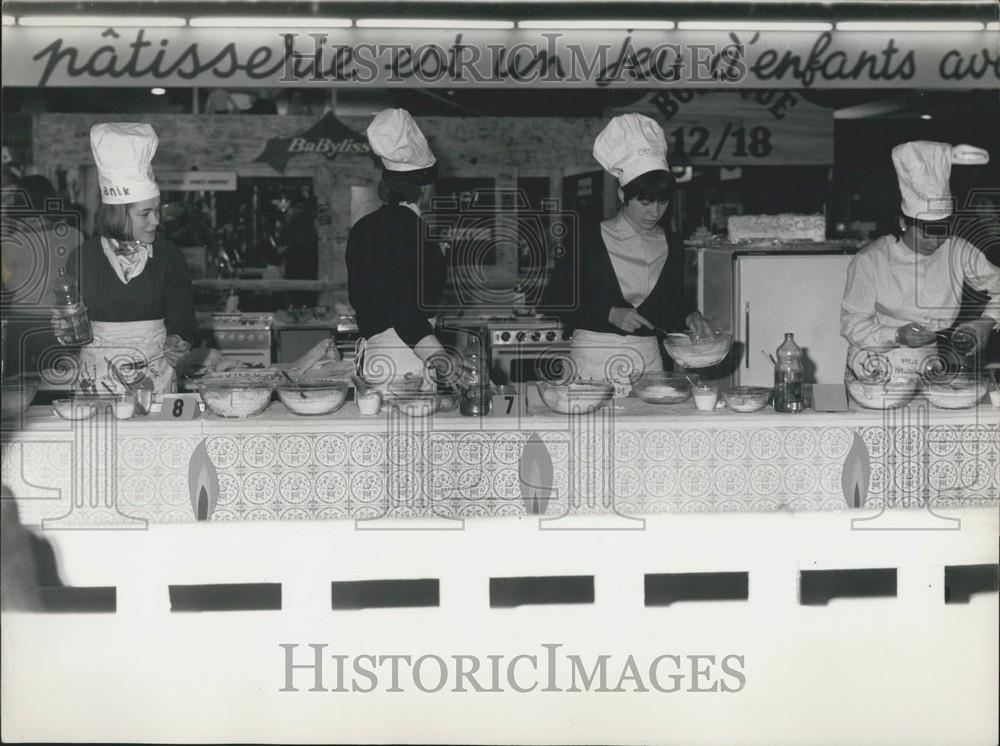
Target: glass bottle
point(476, 398)
point(788, 395)
point(74, 327)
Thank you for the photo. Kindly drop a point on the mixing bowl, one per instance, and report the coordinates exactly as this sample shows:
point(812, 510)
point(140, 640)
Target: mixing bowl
point(15, 396)
point(746, 399)
point(701, 354)
point(890, 394)
point(663, 388)
point(75, 408)
point(576, 397)
point(312, 397)
point(235, 398)
point(962, 391)
point(414, 397)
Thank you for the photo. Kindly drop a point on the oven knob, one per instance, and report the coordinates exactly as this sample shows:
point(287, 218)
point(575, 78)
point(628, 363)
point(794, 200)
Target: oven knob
point(521, 336)
point(568, 334)
point(505, 337)
point(551, 336)
point(535, 336)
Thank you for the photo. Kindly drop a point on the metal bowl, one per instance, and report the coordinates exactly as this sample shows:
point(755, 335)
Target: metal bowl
point(313, 397)
point(236, 399)
point(576, 397)
point(891, 394)
point(962, 391)
point(663, 388)
point(746, 399)
point(701, 354)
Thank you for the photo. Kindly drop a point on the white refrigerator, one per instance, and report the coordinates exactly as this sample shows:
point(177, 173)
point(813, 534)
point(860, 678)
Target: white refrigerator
point(762, 292)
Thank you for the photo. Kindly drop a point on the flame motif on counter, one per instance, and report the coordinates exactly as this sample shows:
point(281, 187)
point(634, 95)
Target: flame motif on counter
point(203, 483)
point(535, 475)
point(854, 477)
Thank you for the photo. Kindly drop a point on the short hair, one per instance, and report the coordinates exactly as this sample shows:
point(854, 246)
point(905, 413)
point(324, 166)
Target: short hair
point(652, 186)
point(114, 221)
point(397, 187)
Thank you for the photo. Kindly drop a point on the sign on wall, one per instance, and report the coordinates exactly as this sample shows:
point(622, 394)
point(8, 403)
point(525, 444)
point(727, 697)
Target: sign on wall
point(760, 128)
point(329, 137)
point(193, 57)
point(196, 181)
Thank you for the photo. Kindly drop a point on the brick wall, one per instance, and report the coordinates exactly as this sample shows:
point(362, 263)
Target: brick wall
point(466, 146)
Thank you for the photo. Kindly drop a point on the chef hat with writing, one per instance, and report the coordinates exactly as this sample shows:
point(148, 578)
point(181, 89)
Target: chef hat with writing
point(924, 169)
point(398, 141)
point(123, 152)
point(631, 145)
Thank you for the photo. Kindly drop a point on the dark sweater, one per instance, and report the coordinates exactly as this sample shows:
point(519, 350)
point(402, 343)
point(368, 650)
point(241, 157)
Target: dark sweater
point(393, 280)
point(162, 291)
point(588, 298)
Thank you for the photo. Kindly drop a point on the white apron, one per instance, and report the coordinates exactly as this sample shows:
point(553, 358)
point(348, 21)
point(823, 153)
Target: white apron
point(125, 342)
point(618, 359)
point(384, 358)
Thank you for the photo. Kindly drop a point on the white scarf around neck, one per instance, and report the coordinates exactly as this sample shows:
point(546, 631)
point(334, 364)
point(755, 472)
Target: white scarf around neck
point(126, 267)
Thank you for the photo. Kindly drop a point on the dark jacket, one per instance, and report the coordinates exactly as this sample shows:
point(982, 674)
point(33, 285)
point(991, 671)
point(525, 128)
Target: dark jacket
point(585, 285)
point(162, 291)
point(395, 277)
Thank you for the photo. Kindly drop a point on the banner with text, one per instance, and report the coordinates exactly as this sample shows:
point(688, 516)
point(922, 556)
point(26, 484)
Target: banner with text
point(750, 128)
point(191, 57)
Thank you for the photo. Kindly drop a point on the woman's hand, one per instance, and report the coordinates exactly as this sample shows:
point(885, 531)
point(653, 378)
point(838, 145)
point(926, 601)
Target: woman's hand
point(699, 327)
point(627, 319)
point(914, 335)
point(175, 349)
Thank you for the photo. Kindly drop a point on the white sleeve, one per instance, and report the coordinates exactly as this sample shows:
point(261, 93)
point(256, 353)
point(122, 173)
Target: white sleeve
point(984, 276)
point(858, 322)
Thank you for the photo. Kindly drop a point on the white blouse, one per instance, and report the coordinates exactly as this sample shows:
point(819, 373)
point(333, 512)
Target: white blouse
point(637, 256)
point(889, 285)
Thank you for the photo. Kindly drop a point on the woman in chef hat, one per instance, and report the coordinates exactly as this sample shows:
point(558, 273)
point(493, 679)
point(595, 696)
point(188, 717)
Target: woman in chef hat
point(904, 288)
point(630, 274)
point(135, 284)
point(392, 275)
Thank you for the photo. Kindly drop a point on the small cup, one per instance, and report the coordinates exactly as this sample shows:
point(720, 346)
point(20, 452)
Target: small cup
point(705, 397)
point(369, 403)
point(125, 405)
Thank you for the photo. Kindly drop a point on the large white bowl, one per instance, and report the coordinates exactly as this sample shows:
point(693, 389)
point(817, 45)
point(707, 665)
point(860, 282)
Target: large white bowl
point(888, 395)
point(313, 397)
point(577, 397)
point(700, 354)
point(961, 392)
point(236, 399)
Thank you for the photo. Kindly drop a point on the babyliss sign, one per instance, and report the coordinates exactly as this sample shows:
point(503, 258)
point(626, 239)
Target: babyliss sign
point(192, 57)
point(329, 137)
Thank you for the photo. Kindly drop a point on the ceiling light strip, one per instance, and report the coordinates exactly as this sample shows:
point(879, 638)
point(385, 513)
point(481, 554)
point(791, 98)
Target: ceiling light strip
point(431, 23)
point(910, 26)
point(737, 25)
point(598, 25)
point(103, 21)
point(267, 22)
point(9, 21)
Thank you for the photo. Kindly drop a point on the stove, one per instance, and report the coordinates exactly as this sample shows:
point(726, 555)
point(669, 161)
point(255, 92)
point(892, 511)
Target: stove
point(517, 345)
point(243, 336)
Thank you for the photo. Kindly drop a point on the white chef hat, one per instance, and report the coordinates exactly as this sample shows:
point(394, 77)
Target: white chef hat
point(123, 152)
point(398, 141)
point(924, 169)
point(631, 145)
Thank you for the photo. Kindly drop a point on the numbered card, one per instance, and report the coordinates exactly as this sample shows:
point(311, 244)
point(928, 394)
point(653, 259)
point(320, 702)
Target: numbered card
point(179, 407)
point(509, 401)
